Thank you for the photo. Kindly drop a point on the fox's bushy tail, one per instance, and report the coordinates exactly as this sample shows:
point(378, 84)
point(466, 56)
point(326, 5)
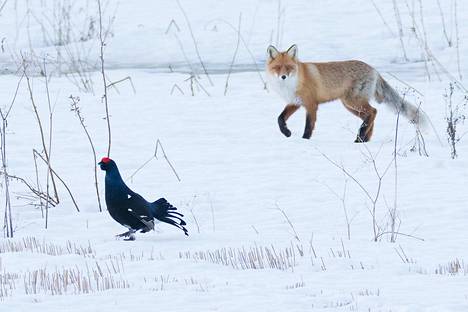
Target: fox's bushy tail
point(384, 93)
point(165, 212)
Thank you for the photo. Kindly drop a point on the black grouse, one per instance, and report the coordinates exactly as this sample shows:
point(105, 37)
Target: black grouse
point(131, 209)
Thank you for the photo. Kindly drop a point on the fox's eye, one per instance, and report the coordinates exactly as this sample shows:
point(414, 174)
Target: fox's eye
point(289, 68)
point(277, 68)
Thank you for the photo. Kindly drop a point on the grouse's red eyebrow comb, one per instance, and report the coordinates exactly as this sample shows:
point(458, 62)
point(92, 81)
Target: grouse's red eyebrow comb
point(105, 160)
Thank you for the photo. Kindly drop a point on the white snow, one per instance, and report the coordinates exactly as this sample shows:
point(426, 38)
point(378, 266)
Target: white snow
point(238, 172)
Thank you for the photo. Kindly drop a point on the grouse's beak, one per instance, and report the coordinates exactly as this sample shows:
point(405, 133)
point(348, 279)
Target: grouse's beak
point(101, 165)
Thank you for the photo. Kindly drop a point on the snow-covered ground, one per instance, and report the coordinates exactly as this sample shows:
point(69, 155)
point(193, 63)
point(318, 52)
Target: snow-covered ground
point(245, 189)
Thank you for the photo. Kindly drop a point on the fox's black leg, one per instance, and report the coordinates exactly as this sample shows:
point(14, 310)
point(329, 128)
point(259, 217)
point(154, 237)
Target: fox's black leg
point(311, 117)
point(362, 134)
point(283, 127)
point(366, 129)
point(362, 109)
point(283, 117)
point(308, 128)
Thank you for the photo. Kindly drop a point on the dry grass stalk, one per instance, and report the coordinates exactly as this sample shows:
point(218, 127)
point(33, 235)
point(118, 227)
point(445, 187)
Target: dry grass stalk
point(32, 244)
point(252, 258)
point(453, 267)
point(72, 280)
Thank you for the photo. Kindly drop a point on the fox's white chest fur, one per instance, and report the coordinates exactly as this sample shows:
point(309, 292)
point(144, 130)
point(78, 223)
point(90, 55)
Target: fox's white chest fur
point(286, 88)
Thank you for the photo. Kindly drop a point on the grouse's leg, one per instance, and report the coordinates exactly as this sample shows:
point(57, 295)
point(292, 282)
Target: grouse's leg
point(130, 235)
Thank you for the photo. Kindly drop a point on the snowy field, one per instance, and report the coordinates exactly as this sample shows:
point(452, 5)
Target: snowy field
point(276, 223)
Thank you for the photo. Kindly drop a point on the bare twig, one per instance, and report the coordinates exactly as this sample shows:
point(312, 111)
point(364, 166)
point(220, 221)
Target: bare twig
point(8, 216)
point(194, 41)
point(3, 5)
point(453, 116)
point(155, 156)
point(36, 192)
point(158, 143)
point(406, 84)
point(122, 80)
point(393, 211)
point(176, 87)
point(169, 27)
point(234, 56)
point(60, 179)
point(181, 46)
point(212, 213)
point(195, 82)
point(104, 81)
point(252, 56)
point(191, 208)
point(444, 27)
point(50, 143)
point(342, 199)
point(296, 236)
point(382, 17)
point(419, 143)
point(457, 38)
point(76, 109)
point(374, 198)
point(399, 233)
point(279, 13)
point(41, 130)
point(400, 29)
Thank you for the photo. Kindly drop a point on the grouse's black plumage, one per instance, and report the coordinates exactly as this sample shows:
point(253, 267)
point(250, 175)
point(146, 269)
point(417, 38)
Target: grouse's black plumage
point(131, 209)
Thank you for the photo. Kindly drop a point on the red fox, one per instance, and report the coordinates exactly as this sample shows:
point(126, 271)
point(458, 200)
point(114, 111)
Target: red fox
point(310, 84)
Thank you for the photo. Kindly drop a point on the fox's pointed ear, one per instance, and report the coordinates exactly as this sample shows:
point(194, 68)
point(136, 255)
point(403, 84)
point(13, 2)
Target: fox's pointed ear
point(272, 52)
point(292, 51)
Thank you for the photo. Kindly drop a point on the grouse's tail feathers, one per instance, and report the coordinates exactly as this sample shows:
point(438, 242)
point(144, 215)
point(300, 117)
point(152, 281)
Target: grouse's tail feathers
point(165, 212)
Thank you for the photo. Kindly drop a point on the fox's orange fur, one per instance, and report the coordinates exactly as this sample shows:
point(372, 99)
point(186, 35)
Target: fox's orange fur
point(309, 84)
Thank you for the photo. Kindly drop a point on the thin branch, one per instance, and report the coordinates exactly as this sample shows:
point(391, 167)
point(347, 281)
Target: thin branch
point(38, 193)
point(50, 143)
point(41, 130)
point(444, 28)
point(348, 174)
point(158, 143)
point(176, 87)
point(252, 56)
point(457, 38)
point(406, 84)
point(234, 56)
point(155, 156)
point(194, 41)
point(3, 5)
point(104, 82)
point(399, 233)
point(122, 80)
point(296, 236)
point(395, 163)
point(75, 108)
point(60, 179)
point(382, 17)
point(14, 98)
point(400, 28)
